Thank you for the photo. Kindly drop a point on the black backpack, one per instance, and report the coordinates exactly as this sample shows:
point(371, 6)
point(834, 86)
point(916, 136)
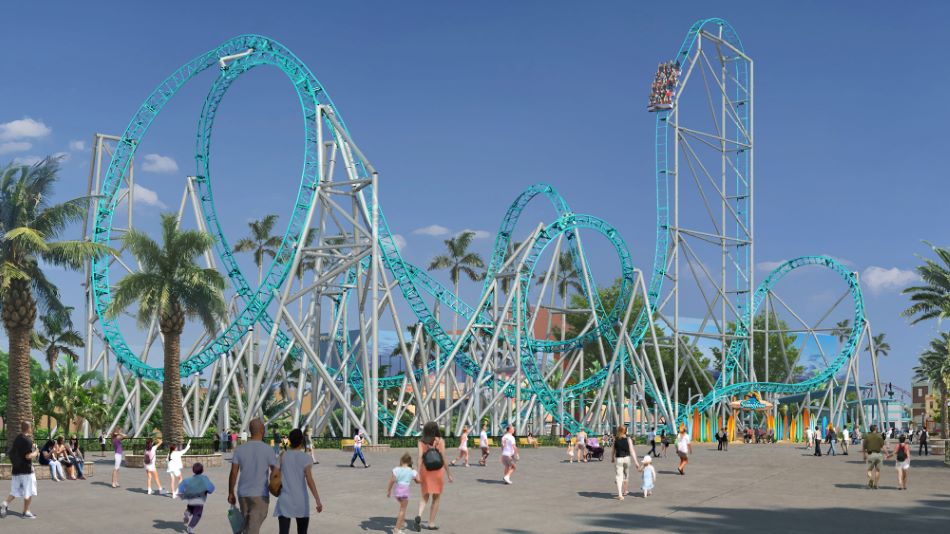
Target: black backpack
point(432, 459)
point(901, 455)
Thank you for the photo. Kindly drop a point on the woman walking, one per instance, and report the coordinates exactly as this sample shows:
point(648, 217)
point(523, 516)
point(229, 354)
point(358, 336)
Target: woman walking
point(581, 446)
point(463, 447)
point(902, 461)
point(175, 466)
point(623, 451)
point(148, 460)
point(433, 471)
point(683, 449)
point(296, 476)
point(117, 437)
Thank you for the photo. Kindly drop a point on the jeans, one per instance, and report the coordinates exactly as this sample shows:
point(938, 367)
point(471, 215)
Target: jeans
point(923, 447)
point(54, 468)
point(254, 510)
point(623, 470)
point(831, 448)
point(357, 453)
point(817, 447)
point(283, 523)
point(78, 463)
point(653, 448)
point(194, 511)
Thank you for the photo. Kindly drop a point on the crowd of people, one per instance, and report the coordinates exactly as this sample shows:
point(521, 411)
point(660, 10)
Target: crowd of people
point(664, 85)
point(258, 471)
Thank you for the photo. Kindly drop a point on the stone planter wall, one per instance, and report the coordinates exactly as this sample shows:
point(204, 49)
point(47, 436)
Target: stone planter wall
point(207, 460)
point(42, 472)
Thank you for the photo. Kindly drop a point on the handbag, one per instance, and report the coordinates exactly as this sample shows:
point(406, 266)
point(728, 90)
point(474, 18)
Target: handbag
point(275, 482)
point(236, 519)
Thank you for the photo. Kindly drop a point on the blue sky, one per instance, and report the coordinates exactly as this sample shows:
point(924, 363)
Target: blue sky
point(461, 106)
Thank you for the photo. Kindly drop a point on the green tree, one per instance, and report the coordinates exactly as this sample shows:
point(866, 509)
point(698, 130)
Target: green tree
point(782, 350)
point(70, 386)
point(934, 365)
point(173, 287)
point(931, 298)
point(58, 336)
point(881, 347)
point(261, 242)
point(31, 225)
point(459, 260)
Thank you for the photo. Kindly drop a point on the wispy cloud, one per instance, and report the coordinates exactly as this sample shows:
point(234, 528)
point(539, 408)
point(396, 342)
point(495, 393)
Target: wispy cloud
point(479, 234)
point(77, 145)
point(25, 128)
point(15, 146)
point(880, 279)
point(400, 241)
point(159, 163)
point(432, 229)
point(143, 195)
point(27, 160)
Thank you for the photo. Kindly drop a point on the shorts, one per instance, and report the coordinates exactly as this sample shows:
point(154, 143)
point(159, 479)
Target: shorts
point(150, 468)
point(401, 493)
point(464, 448)
point(118, 461)
point(875, 459)
point(176, 472)
point(682, 455)
point(507, 461)
point(23, 486)
point(903, 466)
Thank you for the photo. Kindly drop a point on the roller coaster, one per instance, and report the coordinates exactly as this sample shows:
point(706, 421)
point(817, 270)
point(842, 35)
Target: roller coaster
point(320, 365)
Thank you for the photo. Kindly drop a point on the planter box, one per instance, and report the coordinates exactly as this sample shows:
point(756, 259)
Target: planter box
point(366, 448)
point(161, 462)
point(42, 472)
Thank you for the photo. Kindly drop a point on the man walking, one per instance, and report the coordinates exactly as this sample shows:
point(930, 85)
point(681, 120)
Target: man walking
point(23, 481)
point(817, 442)
point(923, 446)
point(874, 449)
point(509, 452)
point(845, 438)
point(254, 461)
point(651, 437)
point(483, 445)
point(832, 438)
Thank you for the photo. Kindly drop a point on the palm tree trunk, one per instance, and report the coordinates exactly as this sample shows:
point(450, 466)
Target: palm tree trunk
point(19, 393)
point(943, 409)
point(171, 391)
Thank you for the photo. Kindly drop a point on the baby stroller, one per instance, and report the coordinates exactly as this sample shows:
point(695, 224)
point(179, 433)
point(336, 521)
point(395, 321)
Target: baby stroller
point(594, 450)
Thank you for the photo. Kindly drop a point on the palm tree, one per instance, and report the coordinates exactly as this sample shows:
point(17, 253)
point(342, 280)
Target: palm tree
point(881, 347)
point(58, 337)
point(173, 287)
point(260, 242)
point(931, 300)
point(459, 260)
point(70, 384)
point(30, 225)
point(935, 367)
point(842, 330)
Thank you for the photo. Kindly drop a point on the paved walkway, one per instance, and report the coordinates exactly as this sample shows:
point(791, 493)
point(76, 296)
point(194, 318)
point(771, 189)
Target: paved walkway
point(777, 488)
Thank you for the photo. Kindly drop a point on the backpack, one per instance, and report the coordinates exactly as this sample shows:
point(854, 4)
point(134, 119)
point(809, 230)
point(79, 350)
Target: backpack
point(432, 459)
point(149, 457)
point(901, 455)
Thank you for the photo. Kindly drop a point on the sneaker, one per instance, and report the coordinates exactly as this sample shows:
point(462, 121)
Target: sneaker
point(507, 480)
point(29, 515)
point(418, 523)
point(150, 491)
point(366, 466)
point(186, 518)
point(3, 510)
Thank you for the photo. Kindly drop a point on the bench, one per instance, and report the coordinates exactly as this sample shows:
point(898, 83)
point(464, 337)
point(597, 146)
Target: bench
point(347, 444)
point(526, 443)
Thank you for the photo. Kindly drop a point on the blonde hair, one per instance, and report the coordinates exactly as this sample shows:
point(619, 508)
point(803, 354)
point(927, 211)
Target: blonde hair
point(621, 431)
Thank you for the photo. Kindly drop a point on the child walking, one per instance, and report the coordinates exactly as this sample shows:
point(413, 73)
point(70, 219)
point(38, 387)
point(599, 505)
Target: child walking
point(194, 491)
point(463, 447)
point(649, 476)
point(402, 476)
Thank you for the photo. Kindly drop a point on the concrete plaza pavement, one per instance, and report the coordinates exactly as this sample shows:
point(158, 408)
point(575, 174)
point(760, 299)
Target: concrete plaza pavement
point(771, 488)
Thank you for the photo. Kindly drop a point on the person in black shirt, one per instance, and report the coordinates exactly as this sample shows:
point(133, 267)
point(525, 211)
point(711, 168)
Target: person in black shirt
point(623, 451)
point(23, 482)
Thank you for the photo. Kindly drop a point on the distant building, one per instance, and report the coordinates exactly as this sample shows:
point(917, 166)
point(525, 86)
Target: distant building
point(924, 403)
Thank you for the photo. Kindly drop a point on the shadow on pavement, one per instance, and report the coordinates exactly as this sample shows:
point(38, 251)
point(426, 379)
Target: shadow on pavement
point(927, 514)
point(106, 484)
point(489, 481)
point(380, 524)
point(597, 494)
point(161, 524)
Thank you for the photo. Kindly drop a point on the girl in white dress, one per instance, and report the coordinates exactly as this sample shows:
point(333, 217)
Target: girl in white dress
point(463, 447)
point(149, 462)
point(175, 466)
point(649, 476)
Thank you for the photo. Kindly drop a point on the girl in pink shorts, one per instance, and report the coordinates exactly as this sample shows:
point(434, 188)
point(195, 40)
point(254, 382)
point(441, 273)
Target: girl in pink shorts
point(402, 477)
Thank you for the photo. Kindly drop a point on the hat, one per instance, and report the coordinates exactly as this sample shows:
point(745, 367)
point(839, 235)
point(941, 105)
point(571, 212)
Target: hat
point(197, 468)
point(648, 459)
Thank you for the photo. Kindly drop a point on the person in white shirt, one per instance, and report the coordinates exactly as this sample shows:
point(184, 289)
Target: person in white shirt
point(358, 449)
point(483, 444)
point(175, 465)
point(509, 453)
point(845, 438)
point(810, 436)
point(148, 461)
point(683, 449)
